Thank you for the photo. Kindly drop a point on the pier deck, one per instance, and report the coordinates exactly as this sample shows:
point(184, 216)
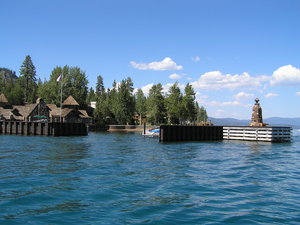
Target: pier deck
point(246, 133)
point(43, 128)
point(176, 133)
point(169, 133)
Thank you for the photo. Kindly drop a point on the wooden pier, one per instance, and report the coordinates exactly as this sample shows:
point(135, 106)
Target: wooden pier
point(173, 133)
point(176, 133)
point(247, 133)
point(44, 129)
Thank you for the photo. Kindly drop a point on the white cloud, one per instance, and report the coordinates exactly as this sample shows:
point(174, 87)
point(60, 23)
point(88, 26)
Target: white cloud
point(219, 112)
point(286, 75)
point(298, 93)
point(166, 64)
point(243, 95)
point(167, 86)
point(229, 103)
point(196, 59)
point(200, 98)
point(175, 76)
point(216, 80)
point(271, 95)
point(147, 88)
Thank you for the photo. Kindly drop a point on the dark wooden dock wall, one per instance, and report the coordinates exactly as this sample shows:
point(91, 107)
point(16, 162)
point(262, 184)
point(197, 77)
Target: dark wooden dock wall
point(45, 129)
point(169, 133)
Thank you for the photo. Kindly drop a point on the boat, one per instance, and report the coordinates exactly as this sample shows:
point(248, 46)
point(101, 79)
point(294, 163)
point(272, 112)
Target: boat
point(152, 133)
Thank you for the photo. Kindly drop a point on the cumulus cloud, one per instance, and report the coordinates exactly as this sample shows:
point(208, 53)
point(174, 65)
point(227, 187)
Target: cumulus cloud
point(271, 95)
point(216, 80)
point(196, 59)
point(175, 76)
point(243, 95)
point(298, 93)
point(286, 75)
point(228, 103)
point(147, 88)
point(167, 86)
point(219, 112)
point(200, 98)
point(166, 64)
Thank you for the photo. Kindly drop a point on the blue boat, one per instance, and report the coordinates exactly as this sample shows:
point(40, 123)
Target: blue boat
point(152, 132)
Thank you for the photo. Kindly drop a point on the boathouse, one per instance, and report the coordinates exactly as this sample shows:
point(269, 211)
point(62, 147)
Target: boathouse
point(43, 119)
point(42, 112)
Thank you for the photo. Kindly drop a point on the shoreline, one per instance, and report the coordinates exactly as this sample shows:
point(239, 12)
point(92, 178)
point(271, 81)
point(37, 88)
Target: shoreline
point(120, 128)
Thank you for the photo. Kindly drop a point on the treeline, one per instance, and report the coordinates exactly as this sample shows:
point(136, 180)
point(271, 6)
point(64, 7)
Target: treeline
point(27, 87)
point(120, 105)
point(117, 105)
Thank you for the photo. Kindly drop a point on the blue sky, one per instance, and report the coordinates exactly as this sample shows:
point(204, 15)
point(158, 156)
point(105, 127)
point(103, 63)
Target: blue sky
point(230, 51)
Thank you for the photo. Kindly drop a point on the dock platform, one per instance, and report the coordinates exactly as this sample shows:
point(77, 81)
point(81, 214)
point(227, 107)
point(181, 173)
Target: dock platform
point(176, 133)
point(43, 128)
point(247, 133)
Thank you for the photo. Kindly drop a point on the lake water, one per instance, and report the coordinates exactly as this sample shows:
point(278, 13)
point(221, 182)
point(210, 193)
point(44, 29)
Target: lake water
point(124, 178)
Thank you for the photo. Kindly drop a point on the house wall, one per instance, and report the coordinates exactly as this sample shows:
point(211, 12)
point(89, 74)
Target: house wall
point(40, 110)
point(72, 117)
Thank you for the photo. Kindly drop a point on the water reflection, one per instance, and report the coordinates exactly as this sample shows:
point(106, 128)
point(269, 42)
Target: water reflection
point(66, 155)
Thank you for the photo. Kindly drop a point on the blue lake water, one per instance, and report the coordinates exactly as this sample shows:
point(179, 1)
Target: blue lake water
point(124, 178)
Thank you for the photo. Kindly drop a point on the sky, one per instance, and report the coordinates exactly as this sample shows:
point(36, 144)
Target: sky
point(230, 51)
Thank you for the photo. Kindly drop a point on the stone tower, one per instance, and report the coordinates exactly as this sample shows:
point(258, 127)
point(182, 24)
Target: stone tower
point(257, 120)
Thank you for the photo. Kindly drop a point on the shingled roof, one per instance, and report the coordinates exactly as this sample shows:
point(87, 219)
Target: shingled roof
point(8, 113)
point(55, 111)
point(83, 114)
point(3, 99)
point(70, 101)
point(25, 110)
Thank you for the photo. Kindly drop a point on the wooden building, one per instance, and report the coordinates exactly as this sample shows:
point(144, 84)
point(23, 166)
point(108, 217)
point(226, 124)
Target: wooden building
point(42, 112)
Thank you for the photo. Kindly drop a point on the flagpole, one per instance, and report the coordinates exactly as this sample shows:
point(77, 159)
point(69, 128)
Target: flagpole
point(61, 95)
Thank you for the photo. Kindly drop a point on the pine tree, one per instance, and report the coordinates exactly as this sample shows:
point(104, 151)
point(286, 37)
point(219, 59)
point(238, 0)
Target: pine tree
point(125, 102)
point(91, 97)
point(174, 104)
point(100, 86)
point(28, 77)
point(156, 105)
point(140, 100)
point(201, 114)
point(189, 112)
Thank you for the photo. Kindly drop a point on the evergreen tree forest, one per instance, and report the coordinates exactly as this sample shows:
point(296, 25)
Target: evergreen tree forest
point(119, 104)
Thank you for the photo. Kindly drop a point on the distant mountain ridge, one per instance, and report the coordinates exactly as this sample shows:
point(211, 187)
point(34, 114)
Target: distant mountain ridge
point(7, 74)
point(273, 121)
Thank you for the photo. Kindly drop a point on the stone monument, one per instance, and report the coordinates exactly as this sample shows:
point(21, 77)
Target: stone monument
point(257, 120)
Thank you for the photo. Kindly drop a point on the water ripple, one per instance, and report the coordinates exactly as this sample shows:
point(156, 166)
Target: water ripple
point(119, 178)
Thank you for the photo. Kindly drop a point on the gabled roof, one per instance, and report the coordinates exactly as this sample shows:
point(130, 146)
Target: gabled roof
point(54, 110)
point(66, 112)
point(70, 101)
point(3, 99)
point(83, 114)
point(7, 113)
point(25, 110)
